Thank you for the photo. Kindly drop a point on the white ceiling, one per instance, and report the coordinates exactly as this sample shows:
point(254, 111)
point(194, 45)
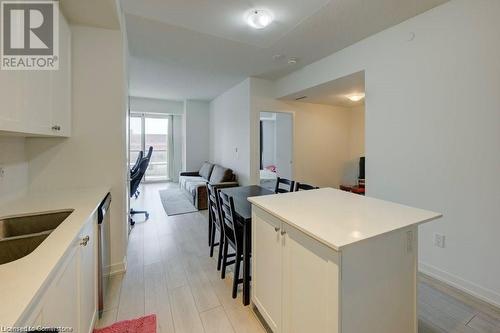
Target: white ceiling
point(95, 13)
point(225, 18)
point(198, 49)
point(334, 92)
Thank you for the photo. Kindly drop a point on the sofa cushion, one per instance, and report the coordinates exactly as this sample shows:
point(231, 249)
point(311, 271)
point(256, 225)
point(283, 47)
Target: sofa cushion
point(206, 170)
point(192, 186)
point(221, 175)
point(185, 180)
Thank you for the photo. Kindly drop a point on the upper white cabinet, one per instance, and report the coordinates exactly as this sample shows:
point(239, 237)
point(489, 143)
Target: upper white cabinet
point(38, 103)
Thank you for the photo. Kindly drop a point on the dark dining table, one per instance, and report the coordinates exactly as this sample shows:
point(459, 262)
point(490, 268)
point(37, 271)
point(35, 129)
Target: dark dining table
point(243, 210)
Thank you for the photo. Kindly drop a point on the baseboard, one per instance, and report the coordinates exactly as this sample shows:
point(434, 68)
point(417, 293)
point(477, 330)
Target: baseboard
point(484, 294)
point(118, 268)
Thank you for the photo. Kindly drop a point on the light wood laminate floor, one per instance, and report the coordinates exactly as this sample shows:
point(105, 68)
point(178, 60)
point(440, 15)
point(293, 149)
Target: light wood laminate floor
point(169, 273)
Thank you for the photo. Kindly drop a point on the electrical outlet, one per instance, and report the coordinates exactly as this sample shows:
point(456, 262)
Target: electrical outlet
point(439, 240)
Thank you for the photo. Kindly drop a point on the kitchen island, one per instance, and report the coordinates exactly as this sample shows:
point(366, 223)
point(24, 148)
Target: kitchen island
point(331, 261)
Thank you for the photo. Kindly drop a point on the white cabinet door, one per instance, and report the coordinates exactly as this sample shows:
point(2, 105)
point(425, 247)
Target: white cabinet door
point(37, 98)
point(88, 276)
point(61, 305)
point(267, 267)
point(61, 92)
point(11, 111)
point(38, 102)
point(311, 278)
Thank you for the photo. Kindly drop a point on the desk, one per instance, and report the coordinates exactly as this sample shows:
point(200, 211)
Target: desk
point(243, 210)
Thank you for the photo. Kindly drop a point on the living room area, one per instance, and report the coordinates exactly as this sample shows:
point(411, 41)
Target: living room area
point(314, 137)
point(409, 116)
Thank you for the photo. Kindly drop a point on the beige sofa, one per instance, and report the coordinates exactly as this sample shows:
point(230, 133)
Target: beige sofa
point(195, 183)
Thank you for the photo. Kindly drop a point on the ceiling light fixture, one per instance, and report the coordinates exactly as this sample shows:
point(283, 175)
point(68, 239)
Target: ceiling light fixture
point(356, 97)
point(259, 18)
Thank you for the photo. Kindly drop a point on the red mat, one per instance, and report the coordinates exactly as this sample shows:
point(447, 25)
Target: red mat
point(145, 324)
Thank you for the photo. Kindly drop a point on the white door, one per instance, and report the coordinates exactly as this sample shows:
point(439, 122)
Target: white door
point(88, 276)
point(61, 305)
point(284, 144)
point(310, 285)
point(267, 268)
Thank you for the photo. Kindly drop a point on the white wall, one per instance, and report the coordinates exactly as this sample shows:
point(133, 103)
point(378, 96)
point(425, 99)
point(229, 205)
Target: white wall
point(284, 144)
point(230, 131)
point(95, 155)
point(322, 136)
point(269, 142)
point(321, 143)
point(153, 105)
point(196, 134)
point(433, 131)
point(356, 145)
point(177, 144)
point(14, 162)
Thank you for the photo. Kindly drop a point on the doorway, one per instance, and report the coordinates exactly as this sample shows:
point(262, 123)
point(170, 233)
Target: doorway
point(276, 147)
point(151, 130)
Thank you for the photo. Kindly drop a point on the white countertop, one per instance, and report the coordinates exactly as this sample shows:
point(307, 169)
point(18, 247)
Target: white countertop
point(20, 280)
point(338, 218)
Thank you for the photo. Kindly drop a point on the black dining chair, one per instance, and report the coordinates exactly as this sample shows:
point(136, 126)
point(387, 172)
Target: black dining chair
point(216, 223)
point(289, 185)
point(233, 232)
point(304, 187)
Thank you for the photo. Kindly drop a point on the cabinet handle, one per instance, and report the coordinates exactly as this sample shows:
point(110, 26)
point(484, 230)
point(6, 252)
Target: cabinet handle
point(276, 229)
point(56, 128)
point(85, 240)
point(283, 232)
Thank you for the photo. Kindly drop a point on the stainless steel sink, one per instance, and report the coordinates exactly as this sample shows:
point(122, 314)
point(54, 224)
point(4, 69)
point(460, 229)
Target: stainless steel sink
point(21, 235)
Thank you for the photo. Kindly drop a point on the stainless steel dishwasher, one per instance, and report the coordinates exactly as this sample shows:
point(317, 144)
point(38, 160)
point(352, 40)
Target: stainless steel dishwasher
point(103, 253)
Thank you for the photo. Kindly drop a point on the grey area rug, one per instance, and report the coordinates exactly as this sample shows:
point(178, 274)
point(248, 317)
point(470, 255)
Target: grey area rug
point(175, 202)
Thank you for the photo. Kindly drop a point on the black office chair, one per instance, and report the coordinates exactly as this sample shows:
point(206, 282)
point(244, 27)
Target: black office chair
point(150, 152)
point(290, 185)
point(134, 170)
point(304, 187)
point(135, 180)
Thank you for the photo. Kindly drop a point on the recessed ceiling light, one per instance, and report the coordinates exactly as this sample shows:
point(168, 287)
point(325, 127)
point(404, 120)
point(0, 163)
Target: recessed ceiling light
point(356, 97)
point(259, 18)
point(292, 61)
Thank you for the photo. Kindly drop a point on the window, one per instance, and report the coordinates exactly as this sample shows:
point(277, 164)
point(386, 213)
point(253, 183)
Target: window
point(151, 130)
